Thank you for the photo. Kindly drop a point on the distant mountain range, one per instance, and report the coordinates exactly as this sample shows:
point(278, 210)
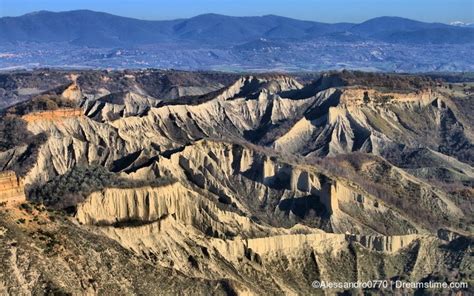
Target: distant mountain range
point(462, 24)
point(84, 38)
point(97, 29)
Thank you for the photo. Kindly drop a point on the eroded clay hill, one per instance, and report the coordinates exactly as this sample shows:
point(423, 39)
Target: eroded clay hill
point(271, 182)
point(12, 189)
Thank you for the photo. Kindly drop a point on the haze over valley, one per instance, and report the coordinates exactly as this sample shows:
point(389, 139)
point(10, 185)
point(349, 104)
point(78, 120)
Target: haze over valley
point(216, 42)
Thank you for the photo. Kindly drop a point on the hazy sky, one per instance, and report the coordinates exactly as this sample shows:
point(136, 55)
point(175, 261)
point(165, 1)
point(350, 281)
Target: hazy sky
point(320, 10)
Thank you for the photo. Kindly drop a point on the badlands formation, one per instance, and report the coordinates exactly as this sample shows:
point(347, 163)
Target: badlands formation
point(256, 185)
point(11, 188)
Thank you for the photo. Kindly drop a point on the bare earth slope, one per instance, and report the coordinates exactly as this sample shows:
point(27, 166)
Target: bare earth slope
point(255, 185)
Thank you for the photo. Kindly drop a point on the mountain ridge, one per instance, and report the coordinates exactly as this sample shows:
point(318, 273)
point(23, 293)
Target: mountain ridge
point(87, 27)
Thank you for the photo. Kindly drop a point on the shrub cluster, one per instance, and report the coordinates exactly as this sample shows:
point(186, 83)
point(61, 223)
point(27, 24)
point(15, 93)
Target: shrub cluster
point(382, 81)
point(13, 133)
point(380, 183)
point(45, 102)
point(66, 191)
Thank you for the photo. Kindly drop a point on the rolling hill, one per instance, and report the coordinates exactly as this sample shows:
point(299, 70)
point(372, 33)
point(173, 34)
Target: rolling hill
point(96, 29)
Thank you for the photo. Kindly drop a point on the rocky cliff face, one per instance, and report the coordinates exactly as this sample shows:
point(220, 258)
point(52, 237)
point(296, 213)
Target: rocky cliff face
point(57, 115)
point(278, 192)
point(73, 92)
point(276, 183)
point(11, 188)
point(330, 122)
point(176, 230)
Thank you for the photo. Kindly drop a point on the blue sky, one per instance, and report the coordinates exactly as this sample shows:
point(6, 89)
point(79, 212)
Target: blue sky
point(320, 10)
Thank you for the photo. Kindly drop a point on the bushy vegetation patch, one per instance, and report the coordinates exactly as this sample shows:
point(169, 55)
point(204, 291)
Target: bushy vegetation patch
point(13, 133)
point(66, 191)
point(46, 102)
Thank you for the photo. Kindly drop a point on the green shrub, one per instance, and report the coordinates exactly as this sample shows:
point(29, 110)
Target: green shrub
point(13, 133)
point(45, 102)
point(66, 191)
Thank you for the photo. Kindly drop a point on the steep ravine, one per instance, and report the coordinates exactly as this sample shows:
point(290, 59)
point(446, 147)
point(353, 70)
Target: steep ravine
point(171, 235)
point(259, 187)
